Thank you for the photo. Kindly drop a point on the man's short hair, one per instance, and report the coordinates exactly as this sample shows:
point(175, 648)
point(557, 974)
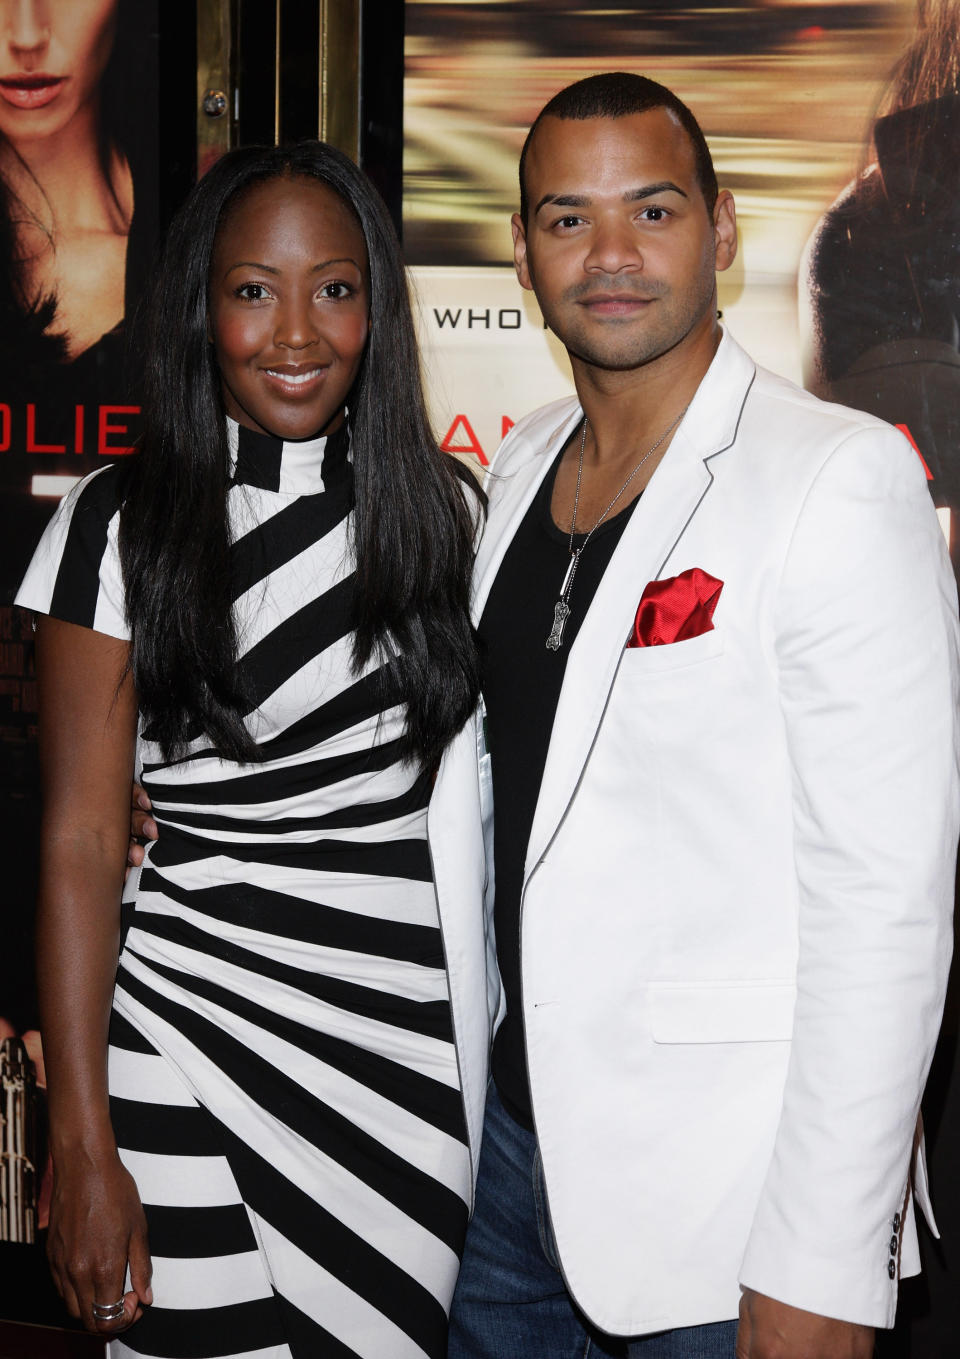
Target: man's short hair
point(614, 95)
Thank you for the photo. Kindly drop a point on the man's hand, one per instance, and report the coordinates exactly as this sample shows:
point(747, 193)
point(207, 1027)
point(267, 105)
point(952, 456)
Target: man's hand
point(774, 1330)
point(142, 827)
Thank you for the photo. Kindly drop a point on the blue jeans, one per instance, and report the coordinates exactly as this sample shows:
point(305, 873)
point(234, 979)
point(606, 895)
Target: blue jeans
point(510, 1301)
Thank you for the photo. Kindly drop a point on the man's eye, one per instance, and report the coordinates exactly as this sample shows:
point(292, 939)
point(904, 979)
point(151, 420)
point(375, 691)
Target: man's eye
point(653, 214)
point(569, 221)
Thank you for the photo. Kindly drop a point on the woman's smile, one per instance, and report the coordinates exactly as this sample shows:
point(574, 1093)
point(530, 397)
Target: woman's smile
point(297, 379)
point(289, 309)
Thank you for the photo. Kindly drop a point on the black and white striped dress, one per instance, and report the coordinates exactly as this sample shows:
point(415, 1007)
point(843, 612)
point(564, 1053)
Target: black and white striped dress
point(283, 1079)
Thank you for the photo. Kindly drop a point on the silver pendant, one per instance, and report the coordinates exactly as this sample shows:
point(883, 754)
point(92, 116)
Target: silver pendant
point(561, 613)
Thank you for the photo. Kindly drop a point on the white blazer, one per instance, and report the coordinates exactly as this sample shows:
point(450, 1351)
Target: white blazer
point(736, 912)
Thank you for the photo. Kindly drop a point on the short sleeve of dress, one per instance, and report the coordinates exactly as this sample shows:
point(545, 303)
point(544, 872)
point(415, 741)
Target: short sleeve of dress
point(75, 572)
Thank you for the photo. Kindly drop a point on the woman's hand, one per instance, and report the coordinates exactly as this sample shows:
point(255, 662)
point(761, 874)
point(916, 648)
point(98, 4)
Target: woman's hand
point(97, 1230)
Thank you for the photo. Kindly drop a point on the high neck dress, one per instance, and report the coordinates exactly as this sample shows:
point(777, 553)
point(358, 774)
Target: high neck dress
point(283, 1079)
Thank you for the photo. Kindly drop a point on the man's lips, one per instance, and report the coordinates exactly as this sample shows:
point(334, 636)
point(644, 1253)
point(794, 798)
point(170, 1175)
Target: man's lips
point(31, 91)
point(615, 304)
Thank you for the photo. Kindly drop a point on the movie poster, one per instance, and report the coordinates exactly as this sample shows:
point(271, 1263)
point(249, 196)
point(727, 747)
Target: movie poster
point(78, 225)
point(834, 205)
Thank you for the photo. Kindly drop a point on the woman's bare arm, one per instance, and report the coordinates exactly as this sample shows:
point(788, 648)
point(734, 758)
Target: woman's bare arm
point(87, 738)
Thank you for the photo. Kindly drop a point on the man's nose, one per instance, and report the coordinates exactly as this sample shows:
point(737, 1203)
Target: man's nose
point(614, 246)
point(26, 24)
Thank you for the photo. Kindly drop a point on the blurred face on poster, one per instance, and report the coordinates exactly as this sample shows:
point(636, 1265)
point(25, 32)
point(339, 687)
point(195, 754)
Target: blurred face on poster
point(67, 182)
point(52, 56)
point(619, 245)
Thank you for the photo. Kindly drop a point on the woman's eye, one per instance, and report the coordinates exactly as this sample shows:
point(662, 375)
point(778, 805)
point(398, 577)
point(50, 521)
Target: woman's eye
point(252, 292)
point(335, 290)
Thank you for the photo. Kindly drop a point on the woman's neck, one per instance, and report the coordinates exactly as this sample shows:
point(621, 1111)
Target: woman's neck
point(72, 230)
point(63, 183)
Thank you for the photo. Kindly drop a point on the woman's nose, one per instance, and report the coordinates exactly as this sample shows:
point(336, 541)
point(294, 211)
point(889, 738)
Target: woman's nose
point(296, 327)
point(27, 24)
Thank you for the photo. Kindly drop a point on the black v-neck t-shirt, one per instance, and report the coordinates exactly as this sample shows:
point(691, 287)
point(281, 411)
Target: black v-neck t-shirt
point(521, 681)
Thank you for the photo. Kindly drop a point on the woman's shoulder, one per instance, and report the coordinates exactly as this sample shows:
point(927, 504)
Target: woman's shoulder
point(99, 494)
point(75, 571)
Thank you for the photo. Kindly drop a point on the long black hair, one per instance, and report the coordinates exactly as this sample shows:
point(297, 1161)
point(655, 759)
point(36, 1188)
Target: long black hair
point(414, 516)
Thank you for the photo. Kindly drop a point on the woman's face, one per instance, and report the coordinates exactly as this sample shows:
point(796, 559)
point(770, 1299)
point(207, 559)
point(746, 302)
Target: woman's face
point(52, 56)
point(289, 307)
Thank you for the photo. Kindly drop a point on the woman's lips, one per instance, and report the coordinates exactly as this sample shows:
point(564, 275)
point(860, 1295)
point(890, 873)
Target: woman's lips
point(295, 381)
point(31, 91)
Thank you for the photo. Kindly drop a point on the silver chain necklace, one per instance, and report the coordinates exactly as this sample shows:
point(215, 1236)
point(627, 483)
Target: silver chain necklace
point(561, 610)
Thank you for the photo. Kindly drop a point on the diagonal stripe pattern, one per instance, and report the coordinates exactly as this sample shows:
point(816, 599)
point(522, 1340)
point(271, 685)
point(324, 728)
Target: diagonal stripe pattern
point(283, 1078)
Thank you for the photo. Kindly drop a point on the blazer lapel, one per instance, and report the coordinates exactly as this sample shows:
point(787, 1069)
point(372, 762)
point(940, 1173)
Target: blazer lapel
point(674, 495)
point(512, 492)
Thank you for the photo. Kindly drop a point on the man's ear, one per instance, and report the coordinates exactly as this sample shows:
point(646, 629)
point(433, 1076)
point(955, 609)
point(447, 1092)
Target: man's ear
point(520, 250)
point(725, 229)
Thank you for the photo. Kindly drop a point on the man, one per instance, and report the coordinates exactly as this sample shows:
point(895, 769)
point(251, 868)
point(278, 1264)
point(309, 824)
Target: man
point(719, 641)
point(720, 671)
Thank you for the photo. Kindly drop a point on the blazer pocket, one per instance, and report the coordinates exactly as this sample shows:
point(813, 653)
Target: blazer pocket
point(644, 660)
point(736, 1012)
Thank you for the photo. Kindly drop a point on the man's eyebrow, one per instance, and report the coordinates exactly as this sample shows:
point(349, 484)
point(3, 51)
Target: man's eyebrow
point(575, 200)
point(563, 200)
point(650, 190)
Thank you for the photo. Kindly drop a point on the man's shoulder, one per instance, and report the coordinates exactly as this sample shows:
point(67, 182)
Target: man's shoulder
point(787, 440)
point(766, 416)
point(779, 430)
point(737, 385)
point(535, 433)
point(827, 417)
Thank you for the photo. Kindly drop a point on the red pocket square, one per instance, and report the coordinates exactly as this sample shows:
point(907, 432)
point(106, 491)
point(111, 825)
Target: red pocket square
point(676, 609)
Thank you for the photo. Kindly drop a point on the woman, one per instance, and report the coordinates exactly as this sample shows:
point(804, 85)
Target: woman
point(68, 69)
point(282, 598)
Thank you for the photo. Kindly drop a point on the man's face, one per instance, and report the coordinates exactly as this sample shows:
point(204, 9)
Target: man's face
point(619, 246)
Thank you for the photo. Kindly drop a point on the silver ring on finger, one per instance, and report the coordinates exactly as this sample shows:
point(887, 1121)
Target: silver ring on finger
point(107, 1311)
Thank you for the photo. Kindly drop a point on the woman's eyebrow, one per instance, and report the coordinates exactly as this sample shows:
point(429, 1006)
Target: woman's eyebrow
point(337, 259)
point(270, 269)
point(252, 264)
